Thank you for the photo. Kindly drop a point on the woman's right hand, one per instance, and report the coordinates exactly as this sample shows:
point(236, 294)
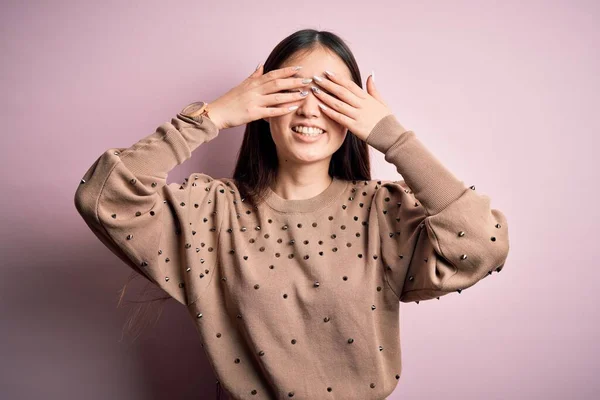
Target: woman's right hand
point(257, 97)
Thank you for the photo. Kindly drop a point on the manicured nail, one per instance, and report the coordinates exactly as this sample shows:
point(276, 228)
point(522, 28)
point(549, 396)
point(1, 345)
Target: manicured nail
point(317, 78)
point(292, 108)
point(304, 93)
point(258, 66)
point(373, 75)
point(329, 73)
point(307, 80)
point(297, 68)
point(315, 89)
point(322, 107)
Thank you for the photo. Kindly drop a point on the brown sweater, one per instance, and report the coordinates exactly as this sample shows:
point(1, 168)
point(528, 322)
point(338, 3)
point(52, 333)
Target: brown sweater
point(296, 298)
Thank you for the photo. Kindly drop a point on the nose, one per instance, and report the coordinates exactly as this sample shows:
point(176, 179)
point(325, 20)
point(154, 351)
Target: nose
point(309, 106)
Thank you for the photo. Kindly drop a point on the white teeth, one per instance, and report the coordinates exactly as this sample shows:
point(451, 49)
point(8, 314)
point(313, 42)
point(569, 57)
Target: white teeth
point(307, 131)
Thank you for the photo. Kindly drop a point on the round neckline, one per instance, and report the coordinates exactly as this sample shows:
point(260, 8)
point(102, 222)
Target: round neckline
point(322, 200)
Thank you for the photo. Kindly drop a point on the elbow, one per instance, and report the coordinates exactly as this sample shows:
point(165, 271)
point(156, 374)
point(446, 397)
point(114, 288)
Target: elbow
point(85, 201)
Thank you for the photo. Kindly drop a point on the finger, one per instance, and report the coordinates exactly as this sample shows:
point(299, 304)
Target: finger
point(340, 118)
point(281, 98)
point(276, 111)
point(283, 84)
point(336, 104)
point(277, 74)
point(346, 83)
point(338, 91)
point(372, 90)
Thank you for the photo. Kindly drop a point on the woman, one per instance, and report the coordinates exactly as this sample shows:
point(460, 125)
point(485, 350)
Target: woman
point(293, 269)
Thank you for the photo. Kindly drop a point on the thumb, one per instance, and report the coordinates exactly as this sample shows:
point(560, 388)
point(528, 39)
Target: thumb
point(371, 88)
point(258, 71)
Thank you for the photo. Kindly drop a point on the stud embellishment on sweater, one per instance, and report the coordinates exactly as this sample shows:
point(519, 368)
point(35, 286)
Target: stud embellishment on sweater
point(463, 257)
point(133, 181)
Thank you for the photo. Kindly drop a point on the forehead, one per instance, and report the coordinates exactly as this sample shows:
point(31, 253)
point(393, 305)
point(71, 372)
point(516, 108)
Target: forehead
point(316, 62)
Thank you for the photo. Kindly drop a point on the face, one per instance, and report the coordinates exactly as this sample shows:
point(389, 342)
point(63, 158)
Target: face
point(292, 146)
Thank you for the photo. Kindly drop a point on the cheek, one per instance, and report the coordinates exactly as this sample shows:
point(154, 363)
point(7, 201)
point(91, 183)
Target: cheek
point(339, 134)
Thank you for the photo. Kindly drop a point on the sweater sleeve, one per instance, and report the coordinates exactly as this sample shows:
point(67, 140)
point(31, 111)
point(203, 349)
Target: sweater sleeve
point(437, 236)
point(125, 201)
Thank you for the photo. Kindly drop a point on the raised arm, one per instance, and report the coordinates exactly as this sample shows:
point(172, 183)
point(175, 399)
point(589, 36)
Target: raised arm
point(124, 199)
point(437, 236)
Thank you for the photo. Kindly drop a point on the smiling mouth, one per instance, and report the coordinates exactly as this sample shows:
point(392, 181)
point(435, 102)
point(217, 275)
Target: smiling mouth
point(308, 132)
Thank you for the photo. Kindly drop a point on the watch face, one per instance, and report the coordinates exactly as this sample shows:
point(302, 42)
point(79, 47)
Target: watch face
point(193, 108)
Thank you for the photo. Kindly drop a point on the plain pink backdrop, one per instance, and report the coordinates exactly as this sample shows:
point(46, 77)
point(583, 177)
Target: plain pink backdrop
point(505, 94)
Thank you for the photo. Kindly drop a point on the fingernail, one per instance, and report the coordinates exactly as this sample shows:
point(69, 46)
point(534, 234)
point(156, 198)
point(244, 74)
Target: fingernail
point(329, 73)
point(292, 108)
point(258, 66)
point(297, 68)
point(318, 79)
point(373, 75)
point(307, 80)
point(304, 93)
point(315, 89)
point(322, 106)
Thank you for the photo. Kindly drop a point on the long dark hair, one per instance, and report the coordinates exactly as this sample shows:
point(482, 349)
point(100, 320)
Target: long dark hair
point(256, 165)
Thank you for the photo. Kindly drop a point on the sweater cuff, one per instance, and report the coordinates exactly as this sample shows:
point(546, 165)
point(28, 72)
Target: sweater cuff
point(431, 182)
point(385, 133)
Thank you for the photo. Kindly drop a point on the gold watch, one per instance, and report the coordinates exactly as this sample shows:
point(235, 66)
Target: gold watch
point(196, 111)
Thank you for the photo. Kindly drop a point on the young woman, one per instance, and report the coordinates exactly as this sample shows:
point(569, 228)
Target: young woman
point(293, 270)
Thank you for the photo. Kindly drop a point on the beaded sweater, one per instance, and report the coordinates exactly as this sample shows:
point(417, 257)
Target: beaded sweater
point(294, 298)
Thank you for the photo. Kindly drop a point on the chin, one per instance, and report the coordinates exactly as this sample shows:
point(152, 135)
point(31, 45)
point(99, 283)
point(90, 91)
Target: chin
point(310, 156)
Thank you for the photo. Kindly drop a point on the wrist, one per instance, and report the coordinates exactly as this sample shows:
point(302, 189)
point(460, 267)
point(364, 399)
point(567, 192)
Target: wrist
point(214, 114)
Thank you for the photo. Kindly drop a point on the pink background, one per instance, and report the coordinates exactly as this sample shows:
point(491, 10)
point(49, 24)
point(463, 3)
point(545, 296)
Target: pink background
point(506, 94)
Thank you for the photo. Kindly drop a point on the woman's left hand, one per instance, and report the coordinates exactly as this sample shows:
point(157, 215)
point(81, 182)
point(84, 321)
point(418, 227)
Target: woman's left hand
point(356, 109)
